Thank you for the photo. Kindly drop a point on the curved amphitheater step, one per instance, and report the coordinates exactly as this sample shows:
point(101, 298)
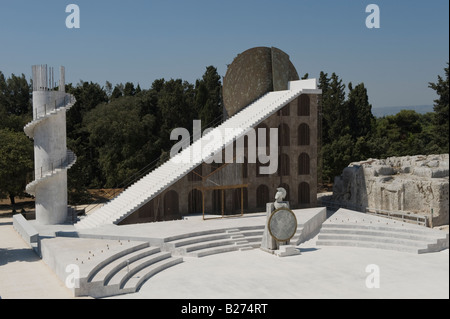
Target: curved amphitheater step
point(205, 243)
point(126, 273)
point(107, 267)
point(347, 228)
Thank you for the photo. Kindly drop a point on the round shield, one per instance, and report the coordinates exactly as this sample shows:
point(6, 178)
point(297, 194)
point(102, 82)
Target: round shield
point(282, 224)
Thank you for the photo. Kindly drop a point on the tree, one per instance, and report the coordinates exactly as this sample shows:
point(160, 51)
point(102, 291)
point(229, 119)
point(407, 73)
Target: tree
point(138, 89)
point(335, 125)
point(16, 163)
point(124, 139)
point(336, 156)
point(15, 94)
point(108, 89)
point(405, 133)
point(441, 117)
point(116, 93)
point(175, 104)
point(359, 111)
point(88, 96)
point(85, 173)
point(15, 102)
point(333, 107)
point(129, 89)
point(208, 98)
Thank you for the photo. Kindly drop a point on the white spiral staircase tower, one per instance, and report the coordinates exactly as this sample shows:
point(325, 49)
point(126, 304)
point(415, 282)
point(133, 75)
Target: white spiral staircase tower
point(52, 159)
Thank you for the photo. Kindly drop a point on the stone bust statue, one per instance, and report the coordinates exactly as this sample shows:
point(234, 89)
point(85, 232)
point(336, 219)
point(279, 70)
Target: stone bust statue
point(279, 196)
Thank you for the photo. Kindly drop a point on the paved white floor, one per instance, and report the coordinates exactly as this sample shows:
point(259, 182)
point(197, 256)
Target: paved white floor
point(319, 272)
point(23, 275)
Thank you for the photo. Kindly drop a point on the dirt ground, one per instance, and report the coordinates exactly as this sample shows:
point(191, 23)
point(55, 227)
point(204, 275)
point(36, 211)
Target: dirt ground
point(21, 203)
point(27, 203)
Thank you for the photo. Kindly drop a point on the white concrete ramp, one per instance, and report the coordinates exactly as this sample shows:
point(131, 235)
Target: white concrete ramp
point(173, 170)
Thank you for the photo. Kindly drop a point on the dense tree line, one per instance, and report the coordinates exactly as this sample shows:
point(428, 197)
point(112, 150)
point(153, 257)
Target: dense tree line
point(16, 149)
point(121, 132)
point(351, 133)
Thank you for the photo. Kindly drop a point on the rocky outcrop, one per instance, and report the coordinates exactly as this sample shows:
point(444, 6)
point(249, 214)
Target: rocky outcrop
point(415, 184)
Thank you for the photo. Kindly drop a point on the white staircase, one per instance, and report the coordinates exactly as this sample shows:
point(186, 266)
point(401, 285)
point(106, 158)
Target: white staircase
point(170, 172)
point(355, 229)
point(64, 163)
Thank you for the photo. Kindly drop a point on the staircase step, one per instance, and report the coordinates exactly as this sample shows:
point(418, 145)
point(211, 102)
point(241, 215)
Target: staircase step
point(139, 278)
point(121, 277)
point(400, 229)
point(381, 233)
point(175, 238)
point(169, 172)
point(114, 256)
point(213, 250)
point(251, 233)
point(352, 243)
point(370, 238)
point(256, 238)
point(255, 227)
point(109, 270)
point(205, 245)
point(200, 239)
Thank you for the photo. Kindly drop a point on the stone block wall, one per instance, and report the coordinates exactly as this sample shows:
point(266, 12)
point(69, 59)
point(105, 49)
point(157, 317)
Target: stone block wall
point(417, 184)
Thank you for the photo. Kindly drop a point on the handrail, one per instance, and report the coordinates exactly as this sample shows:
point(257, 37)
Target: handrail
point(67, 99)
point(154, 164)
point(52, 167)
point(404, 217)
point(398, 215)
point(143, 171)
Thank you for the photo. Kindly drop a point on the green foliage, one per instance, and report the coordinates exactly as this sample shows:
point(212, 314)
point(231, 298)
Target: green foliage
point(88, 96)
point(16, 150)
point(16, 163)
point(123, 138)
point(15, 94)
point(129, 89)
point(208, 97)
point(132, 130)
point(441, 115)
point(85, 173)
point(333, 108)
point(337, 155)
point(15, 102)
point(351, 133)
point(117, 131)
point(406, 133)
point(359, 111)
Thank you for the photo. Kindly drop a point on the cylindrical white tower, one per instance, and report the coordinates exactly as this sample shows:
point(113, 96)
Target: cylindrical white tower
point(52, 159)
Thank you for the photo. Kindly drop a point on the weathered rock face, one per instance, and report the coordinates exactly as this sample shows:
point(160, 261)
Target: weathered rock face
point(417, 184)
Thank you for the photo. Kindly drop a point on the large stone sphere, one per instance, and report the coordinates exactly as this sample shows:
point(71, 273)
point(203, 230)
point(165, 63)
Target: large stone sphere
point(254, 73)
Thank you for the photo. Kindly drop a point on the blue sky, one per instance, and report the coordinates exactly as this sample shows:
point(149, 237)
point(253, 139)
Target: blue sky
point(141, 40)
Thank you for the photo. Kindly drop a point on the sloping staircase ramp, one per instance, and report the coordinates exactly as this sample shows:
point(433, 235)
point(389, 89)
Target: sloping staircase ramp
point(177, 167)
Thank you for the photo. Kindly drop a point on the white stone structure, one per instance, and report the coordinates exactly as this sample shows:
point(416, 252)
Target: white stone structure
point(411, 184)
point(51, 156)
